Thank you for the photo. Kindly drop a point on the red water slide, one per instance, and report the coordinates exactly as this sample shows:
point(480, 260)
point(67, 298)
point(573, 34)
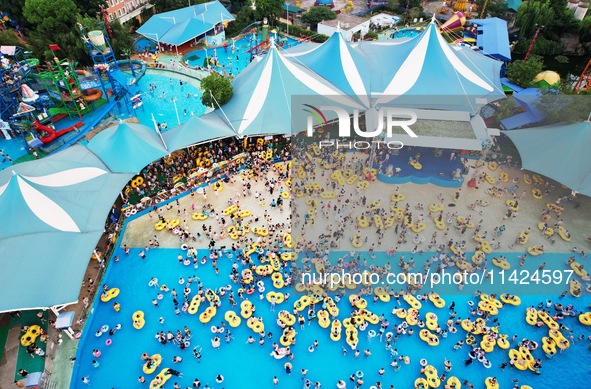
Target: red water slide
point(51, 133)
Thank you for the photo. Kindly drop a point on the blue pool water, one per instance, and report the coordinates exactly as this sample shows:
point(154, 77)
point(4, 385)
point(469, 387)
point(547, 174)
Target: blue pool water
point(406, 33)
point(143, 44)
point(237, 60)
point(244, 364)
point(159, 101)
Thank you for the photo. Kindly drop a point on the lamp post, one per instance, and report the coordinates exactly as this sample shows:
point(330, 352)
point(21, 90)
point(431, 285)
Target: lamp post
point(176, 110)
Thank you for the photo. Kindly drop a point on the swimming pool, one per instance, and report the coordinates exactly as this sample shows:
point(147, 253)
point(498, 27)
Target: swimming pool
point(241, 363)
point(143, 44)
point(237, 59)
point(159, 101)
point(406, 33)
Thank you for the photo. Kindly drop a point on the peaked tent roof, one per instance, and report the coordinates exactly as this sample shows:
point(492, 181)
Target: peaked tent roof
point(263, 93)
point(570, 139)
point(127, 147)
point(58, 204)
point(345, 69)
point(434, 62)
point(181, 25)
point(197, 129)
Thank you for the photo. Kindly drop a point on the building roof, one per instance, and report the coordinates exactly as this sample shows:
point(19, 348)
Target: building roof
point(181, 25)
point(493, 38)
point(346, 21)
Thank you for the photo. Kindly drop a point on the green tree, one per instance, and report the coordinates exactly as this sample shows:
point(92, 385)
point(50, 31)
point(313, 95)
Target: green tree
point(167, 5)
point(8, 38)
point(270, 9)
point(585, 29)
point(315, 15)
point(52, 21)
point(523, 73)
point(551, 14)
point(217, 86)
point(90, 7)
point(505, 108)
point(244, 18)
point(558, 107)
point(496, 9)
point(14, 9)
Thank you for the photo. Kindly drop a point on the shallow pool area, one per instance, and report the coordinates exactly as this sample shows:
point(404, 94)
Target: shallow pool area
point(240, 363)
point(144, 44)
point(158, 100)
point(236, 55)
point(406, 33)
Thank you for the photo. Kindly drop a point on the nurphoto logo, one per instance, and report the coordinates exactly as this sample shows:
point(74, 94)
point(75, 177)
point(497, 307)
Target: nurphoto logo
point(375, 126)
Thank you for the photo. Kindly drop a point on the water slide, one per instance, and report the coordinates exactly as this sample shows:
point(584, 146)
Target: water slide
point(138, 73)
point(53, 134)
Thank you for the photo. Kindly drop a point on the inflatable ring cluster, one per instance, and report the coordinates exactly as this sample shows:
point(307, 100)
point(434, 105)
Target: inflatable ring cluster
point(152, 364)
point(432, 321)
point(278, 296)
point(109, 294)
point(412, 301)
point(432, 377)
point(199, 216)
point(246, 309)
point(137, 182)
point(382, 294)
point(502, 263)
point(510, 299)
point(436, 300)
point(31, 335)
point(286, 318)
point(232, 319)
point(230, 209)
point(435, 207)
point(397, 197)
point(357, 241)
point(531, 316)
point(208, 314)
point(335, 330)
point(160, 225)
point(585, 318)
point(164, 376)
point(138, 320)
point(256, 325)
point(194, 304)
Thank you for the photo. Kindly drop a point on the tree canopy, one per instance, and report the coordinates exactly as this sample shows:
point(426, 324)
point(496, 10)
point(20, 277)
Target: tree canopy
point(270, 9)
point(522, 72)
point(315, 15)
point(552, 15)
point(217, 86)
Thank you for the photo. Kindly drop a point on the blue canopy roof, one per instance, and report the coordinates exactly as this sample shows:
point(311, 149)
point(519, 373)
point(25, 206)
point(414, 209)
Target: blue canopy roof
point(493, 38)
point(565, 140)
point(262, 100)
point(197, 129)
point(345, 69)
point(427, 72)
point(59, 206)
point(181, 25)
point(127, 147)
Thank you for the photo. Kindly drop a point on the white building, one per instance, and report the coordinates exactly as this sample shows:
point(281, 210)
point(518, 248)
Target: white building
point(347, 24)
